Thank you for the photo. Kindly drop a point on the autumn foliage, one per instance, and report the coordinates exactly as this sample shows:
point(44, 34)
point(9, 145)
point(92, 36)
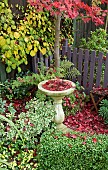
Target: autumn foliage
point(72, 9)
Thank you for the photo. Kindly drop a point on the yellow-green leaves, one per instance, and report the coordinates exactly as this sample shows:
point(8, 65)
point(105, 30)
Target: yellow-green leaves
point(2, 41)
point(32, 53)
point(33, 33)
point(16, 35)
point(43, 51)
point(8, 69)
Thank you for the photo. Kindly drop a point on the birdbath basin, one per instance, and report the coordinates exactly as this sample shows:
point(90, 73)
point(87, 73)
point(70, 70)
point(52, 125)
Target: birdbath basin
point(57, 97)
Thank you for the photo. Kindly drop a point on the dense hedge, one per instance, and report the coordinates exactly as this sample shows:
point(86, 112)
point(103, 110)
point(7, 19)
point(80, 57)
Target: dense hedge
point(73, 152)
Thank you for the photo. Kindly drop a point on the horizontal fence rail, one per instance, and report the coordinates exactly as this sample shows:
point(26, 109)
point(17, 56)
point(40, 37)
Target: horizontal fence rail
point(93, 68)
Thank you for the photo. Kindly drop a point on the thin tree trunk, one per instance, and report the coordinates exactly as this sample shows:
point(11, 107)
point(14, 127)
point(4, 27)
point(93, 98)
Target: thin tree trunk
point(57, 39)
point(106, 23)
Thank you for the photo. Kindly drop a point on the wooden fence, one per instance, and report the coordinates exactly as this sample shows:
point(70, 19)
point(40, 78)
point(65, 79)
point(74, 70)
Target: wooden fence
point(93, 68)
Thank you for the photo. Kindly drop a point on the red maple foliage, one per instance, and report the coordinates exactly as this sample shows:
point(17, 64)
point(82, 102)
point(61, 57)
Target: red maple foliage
point(72, 9)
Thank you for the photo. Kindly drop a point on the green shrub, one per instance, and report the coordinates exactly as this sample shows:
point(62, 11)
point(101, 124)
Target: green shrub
point(103, 111)
point(97, 41)
point(72, 152)
point(75, 101)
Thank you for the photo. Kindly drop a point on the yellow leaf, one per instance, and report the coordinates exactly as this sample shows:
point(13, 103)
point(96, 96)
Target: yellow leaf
point(1, 37)
point(35, 49)
point(21, 27)
point(13, 66)
point(9, 63)
point(26, 39)
point(39, 16)
point(45, 44)
point(19, 69)
point(32, 53)
point(29, 47)
point(39, 23)
point(26, 62)
point(8, 40)
point(17, 57)
point(15, 52)
point(8, 69)
point(16, 35)
point(36, 43)
point(8, 54)
point(9, 30)
point(43, 51)
point(2, 42)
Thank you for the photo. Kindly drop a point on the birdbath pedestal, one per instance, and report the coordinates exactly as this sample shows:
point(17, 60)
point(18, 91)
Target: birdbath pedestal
point(57, 97)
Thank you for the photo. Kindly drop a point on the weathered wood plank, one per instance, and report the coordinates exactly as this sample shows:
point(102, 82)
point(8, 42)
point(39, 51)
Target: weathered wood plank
point(80, 61)
point(34, 64)
point(92, 66)
point(85, 73)
point(46, 62)
point(41, 60)
point(75, 57)
point(99, 69)
point(69, 56)
point(105, 84)
point(65, 48)
point(2, 72)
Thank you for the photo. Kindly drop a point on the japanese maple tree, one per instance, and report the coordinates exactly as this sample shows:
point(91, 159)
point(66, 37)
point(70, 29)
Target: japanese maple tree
point(69, 9)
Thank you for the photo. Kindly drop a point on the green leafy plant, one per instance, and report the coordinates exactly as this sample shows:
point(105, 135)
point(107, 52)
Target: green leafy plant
point(72, 151)
point(103, 111)
point(20, 134)
point(33, 122)
point(97, 41)
point(75, 101)
point(26, 85)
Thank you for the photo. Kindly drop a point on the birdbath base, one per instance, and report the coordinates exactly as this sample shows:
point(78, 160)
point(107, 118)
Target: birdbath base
point(63, 128)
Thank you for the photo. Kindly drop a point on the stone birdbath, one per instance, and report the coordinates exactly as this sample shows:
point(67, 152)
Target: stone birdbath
point(57, 89)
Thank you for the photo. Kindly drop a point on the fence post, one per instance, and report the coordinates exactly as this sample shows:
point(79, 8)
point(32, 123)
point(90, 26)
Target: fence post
point(106, 72)
point(2, 72)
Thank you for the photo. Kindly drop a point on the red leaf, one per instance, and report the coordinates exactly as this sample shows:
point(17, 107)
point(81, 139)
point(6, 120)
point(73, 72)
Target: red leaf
point(94, 140)
point(73, 136)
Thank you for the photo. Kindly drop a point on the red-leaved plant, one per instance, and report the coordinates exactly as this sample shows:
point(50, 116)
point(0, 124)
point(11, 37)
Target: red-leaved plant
point(69, 9)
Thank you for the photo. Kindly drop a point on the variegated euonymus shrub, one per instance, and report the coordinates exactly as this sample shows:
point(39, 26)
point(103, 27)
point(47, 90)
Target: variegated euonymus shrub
point(20, 134)
point(37, 119)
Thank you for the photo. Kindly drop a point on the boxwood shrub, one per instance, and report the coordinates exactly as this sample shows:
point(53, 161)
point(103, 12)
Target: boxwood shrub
point(72, 152)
